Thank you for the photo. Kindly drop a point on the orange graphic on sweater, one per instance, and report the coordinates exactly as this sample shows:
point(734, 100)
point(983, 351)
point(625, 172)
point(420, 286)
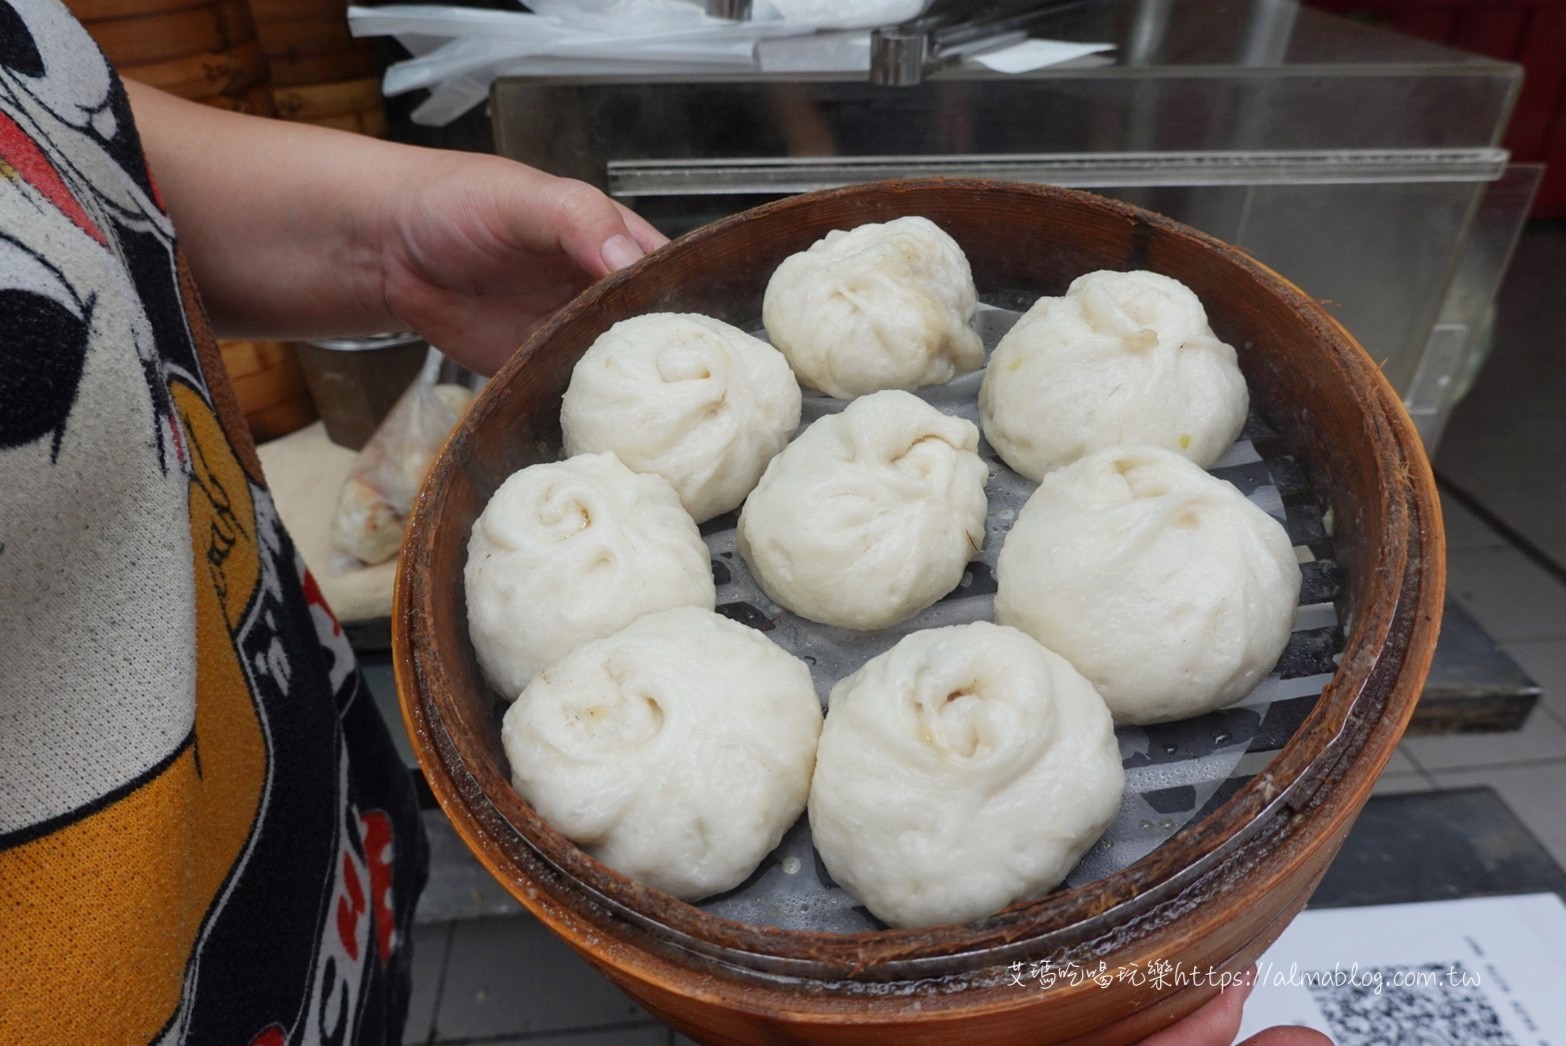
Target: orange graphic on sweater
point(70, 893)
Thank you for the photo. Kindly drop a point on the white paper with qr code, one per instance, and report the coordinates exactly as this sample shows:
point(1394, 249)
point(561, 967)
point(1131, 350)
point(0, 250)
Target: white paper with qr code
point(1482, 972)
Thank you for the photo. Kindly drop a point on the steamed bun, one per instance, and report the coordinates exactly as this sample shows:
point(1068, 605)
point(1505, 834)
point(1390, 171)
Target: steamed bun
point(692, 399)
point(677, 751)
point(870, 515)
point(964, 769)
point(570, 551)
point(1160, 583)
point(1123, 357)
point(876, 307)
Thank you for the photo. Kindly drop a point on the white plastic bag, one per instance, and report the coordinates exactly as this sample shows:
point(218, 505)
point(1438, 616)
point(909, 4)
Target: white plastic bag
point(842, 14)
point(374, 503)
point(616, 15)
point(458, 51)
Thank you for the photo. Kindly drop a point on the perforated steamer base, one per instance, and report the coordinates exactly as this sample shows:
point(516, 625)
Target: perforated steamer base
point(1175, 772)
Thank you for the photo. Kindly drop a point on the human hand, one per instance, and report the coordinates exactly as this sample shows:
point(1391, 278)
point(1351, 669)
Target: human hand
point(294, 231)
point(1218, 1022)
point(478, 251)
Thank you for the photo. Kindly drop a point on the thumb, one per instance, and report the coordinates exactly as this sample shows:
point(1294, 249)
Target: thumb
point(595, 232)
point(1216, 1023)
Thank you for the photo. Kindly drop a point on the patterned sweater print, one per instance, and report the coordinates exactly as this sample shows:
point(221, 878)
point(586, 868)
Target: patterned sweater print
point(205, 832)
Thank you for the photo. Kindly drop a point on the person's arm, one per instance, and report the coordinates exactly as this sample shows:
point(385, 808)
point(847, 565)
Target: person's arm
point(293, 230)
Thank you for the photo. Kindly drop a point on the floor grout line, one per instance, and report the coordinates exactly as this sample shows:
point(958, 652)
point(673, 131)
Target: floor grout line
point(1559, 717)
point(1476, 610)
point(440, 984)
point(555, 1033)
point(1521, 764)
point(1418, 766)
point(1513, 537)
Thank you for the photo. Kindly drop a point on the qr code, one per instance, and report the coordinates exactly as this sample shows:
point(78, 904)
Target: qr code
point(1428, 1005)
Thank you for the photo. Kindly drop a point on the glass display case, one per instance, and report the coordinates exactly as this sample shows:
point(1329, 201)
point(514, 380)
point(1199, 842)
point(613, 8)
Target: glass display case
point(1362, 165)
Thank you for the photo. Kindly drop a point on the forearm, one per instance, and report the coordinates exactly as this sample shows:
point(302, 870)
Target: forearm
point(293, 231)
point(283, 223)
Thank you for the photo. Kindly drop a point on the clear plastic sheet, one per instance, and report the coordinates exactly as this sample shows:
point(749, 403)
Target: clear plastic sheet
point(373, 505)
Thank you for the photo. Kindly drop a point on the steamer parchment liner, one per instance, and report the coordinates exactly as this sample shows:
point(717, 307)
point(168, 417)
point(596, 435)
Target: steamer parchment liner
point(1217, 893)
point(1175, 772)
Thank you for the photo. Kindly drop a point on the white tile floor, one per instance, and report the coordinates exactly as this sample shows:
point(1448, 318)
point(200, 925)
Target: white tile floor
point(1527, 767)
point(1497, 453)
point(500, 981)
point(1505, 442)
point(504, 981)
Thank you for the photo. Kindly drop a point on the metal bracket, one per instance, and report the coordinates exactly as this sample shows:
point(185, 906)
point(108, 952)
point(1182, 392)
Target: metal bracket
point(732, 10)
point(951, 30)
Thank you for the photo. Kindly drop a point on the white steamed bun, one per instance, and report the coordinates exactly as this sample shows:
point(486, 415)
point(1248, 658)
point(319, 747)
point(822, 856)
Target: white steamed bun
point(677, 751)
point(875, 307)
point(690, 398)
point(570, 551)
point(964, 769)
point(1123, 357)
point(1160, 583)
point(870, 515)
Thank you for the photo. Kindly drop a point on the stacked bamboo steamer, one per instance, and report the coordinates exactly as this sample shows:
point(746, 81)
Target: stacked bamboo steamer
point(320, 73)
point(198, 49)
point(290, 58)
point(270, 386)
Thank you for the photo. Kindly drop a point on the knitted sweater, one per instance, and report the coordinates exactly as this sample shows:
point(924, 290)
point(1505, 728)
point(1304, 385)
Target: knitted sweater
point(205, 833)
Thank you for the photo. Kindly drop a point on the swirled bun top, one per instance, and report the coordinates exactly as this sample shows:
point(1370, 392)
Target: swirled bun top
point(687, 397)
point(677, 750)
point(870, 515)
point(875, 307)
point(1160, 583)
point(962, 770)
point(570, 551)
point(1121, 358)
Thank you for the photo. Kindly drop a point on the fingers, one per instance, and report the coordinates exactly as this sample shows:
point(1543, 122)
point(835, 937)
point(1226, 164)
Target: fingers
point(619, 251)
point(597, 233)
point(1218, 1022)
point(1288, 1036)
point(539, 211)
point(641, 231)
point(1215, 1024)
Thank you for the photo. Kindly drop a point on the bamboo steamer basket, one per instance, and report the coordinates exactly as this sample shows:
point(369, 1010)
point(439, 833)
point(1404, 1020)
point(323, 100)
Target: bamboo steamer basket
point(269, 385)
point(257, 101)
point(320, 73)
point(146, 39)
point(98, 10)
point(228, 73)
point(352, 105)
point(308, 42)
point(291, 69)
point(299, 10)
point(304, 36)
point(1214, 896)
point(322, 101)
point(206, 52)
